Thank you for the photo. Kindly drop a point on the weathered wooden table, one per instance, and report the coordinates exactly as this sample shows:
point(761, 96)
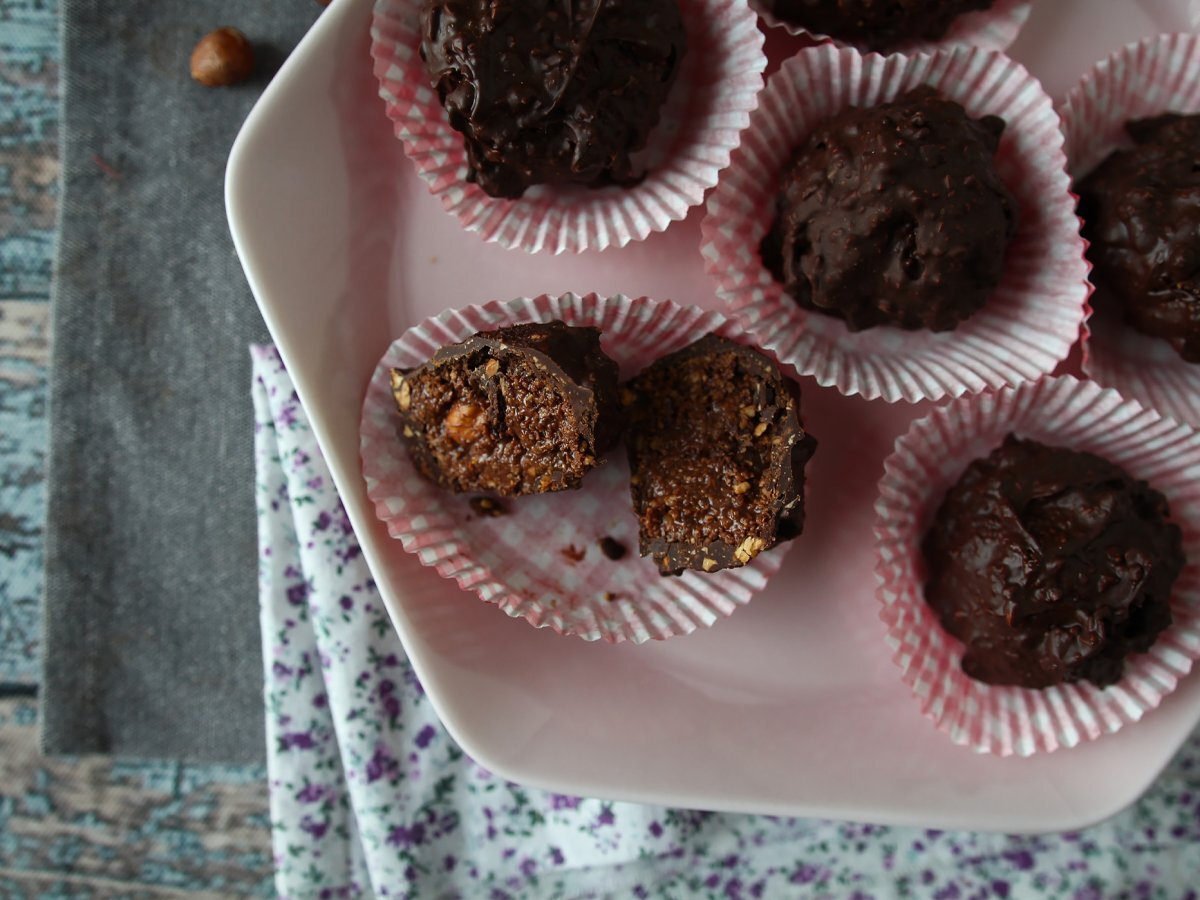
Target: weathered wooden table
point(78, 827)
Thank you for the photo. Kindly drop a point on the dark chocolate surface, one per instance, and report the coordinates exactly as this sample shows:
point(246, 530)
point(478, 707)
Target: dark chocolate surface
point(552, 91)
point(523, 410)
point(1141, 212)
point(716, 454)
point(894, 215)
point(877, 24)
point(1051, 566)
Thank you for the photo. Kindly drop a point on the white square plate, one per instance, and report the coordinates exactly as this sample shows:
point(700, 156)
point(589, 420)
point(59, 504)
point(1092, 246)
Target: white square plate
point(792, 706)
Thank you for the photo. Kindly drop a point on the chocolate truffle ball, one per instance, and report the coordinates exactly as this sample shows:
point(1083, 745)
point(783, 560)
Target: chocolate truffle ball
point(894, 215)
point(877, 24)
point(523, 410)
point(1051, 566)
point(716, 455)
point(1141, 213)
point(550, 92)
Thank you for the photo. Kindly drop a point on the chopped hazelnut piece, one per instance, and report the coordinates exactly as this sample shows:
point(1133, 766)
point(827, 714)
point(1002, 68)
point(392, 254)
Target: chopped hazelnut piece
point(748, 549)
point(486, 506)
point(402, 391)
point(466, 422)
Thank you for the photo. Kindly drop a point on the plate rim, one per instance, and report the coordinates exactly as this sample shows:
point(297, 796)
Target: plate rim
point(322, 39)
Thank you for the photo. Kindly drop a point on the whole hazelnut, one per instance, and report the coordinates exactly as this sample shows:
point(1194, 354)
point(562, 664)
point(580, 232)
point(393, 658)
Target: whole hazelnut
point(222, 57)
point(466, 422)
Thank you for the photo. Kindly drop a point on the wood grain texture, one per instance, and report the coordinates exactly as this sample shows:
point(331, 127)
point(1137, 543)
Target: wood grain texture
point(28, 199)
point(95, 827)
point(78, 827)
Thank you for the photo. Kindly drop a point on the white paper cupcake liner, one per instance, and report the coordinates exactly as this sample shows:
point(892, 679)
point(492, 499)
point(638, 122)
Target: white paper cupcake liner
point(701, 123)
point(541, 560)
point(929, 459)
point(989, 29)
point(1028, 325)
point(1141, 80)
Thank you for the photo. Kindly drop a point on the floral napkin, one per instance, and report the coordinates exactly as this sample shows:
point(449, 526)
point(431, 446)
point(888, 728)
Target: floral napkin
point(371, 798)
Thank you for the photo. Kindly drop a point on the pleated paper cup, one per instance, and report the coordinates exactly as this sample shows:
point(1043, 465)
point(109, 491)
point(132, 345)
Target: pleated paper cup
point(929, 459)
point(1027, 326)
point(1139, 81)
point(990, 29)
point(541, 560)
point(701, 122)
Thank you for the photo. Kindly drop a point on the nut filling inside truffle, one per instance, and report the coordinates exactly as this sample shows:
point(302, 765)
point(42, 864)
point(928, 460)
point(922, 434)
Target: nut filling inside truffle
point(717, 454)
point(894, 215)
point(524, 410)
point(1051, 566)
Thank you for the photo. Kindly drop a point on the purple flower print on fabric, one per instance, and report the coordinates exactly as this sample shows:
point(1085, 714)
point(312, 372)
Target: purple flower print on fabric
point(371, 798)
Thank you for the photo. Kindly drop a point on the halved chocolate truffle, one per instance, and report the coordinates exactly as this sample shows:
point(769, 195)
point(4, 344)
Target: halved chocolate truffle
point(550, 92)
point(1141, 215)
point(716, 455)
point(894, 215)
point(1051, 565)
point(877, 24)
point(522, 410)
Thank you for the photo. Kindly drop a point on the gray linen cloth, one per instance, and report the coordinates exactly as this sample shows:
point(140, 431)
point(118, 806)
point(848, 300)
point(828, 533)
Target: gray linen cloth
point(151, 633)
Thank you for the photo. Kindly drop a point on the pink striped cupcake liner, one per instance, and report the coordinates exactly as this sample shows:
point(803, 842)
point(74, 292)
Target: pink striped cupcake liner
point(1028, 325)
point(701, 123)
point(1141, 80)
point(929, 459)
point(541, 560)
point(990, 29)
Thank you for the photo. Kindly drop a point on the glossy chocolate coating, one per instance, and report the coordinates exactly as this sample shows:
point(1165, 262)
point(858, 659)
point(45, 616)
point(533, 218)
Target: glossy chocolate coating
point(552, 91)
point(1051, 565)
point(1141, 212)
point(894, 215)
point(716, 455)
point(877, 24)
point(523, 410)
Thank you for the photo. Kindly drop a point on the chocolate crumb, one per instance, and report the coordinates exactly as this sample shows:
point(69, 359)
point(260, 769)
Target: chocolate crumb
point(572, 553)
point(486, 506)
point(610, 597)
point(612, 548)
